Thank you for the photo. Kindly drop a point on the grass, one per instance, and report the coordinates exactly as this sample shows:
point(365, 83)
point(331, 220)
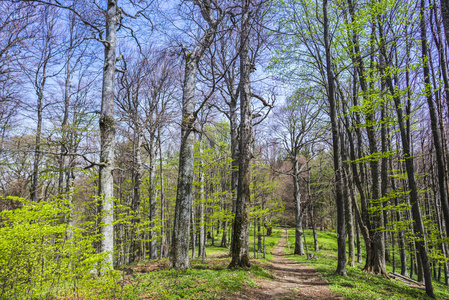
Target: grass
point(212, 280)
point(202, 281)
point(358, 284)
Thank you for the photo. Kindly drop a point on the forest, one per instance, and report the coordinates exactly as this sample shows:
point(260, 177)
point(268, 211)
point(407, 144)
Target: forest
point(198, 149)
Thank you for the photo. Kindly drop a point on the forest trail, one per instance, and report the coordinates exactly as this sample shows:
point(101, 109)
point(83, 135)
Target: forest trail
point(292, 280)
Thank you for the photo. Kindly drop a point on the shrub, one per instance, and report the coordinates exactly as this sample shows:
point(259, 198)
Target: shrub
point(40, 254)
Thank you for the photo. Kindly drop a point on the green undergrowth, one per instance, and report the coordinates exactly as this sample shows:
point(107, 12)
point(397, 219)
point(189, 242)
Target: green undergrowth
point(202, 281)
point(39, 261)
point(211, 280)
point(357, 284)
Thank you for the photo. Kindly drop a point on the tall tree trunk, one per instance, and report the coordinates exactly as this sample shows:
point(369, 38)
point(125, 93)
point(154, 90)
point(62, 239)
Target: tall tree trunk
point(193, 233)
point(202, 195)
point(416, 211)
point(445, 14)
point(384, 168)
point(299, 243)
point(224, 237)
point(163, 245)
point(315, 236)
point(341, 264)
point(376, 261)
point(65, 118)
point(107, 132)
point(362, 216)
point(233, 120)
point(359, 246)
point(401, 238)
point(179, 258)
point(152, 195)
point(349, 218)
point(37, 147)
point(137, 182)
point(441, 53)
point(434, 121)
point(240, 233)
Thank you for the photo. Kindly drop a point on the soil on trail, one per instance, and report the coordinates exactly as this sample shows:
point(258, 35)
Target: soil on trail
point(292, 280)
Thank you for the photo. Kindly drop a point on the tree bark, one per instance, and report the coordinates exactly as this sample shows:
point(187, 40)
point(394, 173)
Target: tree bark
point(152, 196)
point(163, 244)
point(137, 182)
point(445, 15)
point(341, 264)
point(416, 211)
point(315, 236)
point(299, 244)
point(439, 154)
point(375, 261)
point(179, 258)
point(384, 170)
point(202, 236)
point(240, 233)
point(401, 238)
point(349, 218)
point(107, 133)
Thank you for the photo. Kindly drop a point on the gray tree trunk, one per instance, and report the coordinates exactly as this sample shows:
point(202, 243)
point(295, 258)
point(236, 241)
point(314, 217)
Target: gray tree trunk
point(163, 245)
point(445, 15)
point(299, 243)
point(152, 197)
point(193, 233)
point(384, 171)
point(341, 265)
point(401, 239)
point(137, 181)
point(107, 132)
point(37, 147)
point(348, 198)
point(179, 258)
point(240, 233)
point(359, 246)
point(439, 154)
point(315, 236)
point(65, 118)
point(349, 217)
point(233, 120)
point(202, 235)
point(416, 211)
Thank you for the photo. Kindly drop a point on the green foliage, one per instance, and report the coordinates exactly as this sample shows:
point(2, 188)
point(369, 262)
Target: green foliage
point(41, 255)
point(265, 202)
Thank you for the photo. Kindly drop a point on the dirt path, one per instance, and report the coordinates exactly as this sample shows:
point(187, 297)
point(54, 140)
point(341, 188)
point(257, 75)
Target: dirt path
point(292, 281)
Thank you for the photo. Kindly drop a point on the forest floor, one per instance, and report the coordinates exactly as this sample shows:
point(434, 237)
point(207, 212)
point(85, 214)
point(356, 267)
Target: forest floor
point(292, 280)
point(281, 275)
point(358, 285)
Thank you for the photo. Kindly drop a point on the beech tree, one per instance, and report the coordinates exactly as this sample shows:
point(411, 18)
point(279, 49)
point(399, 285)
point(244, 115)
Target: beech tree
point(179, 258)
point(240, 230)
